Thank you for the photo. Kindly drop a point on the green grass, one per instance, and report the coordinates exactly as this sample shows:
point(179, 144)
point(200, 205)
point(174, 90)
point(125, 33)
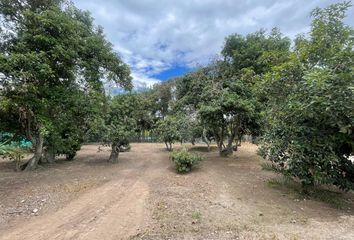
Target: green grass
point(197, 216)
point(270, 167)
point(317, 193)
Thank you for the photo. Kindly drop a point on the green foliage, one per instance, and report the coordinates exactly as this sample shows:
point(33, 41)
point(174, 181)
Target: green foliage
point(53, 59)
point(167, 130)
point(256, 52)
point(13, 152)
point(224, 94)
point(270, 167)
point(197, 216)
point(310, 118)
point(161, 95)
point(121, 121)
point(296, 190)
point(8, 151)
point(184, 160)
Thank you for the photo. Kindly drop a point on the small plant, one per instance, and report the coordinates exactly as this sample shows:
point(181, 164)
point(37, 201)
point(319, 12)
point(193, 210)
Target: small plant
point(318, 193)
point(271, 167)
point(12, 152)
point(184, 160)
point(197, 216)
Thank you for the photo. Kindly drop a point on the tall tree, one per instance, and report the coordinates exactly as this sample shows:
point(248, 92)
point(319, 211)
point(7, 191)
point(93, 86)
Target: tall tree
point(49, 48)
point(121, 123)
point(224, 94)
point(310, 114)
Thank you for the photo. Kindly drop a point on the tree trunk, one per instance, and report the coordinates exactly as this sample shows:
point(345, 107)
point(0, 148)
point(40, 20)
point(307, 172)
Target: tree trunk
point(226, 152)
point(113, 158)
point(205, 139)
point(70, 156)
point(49, 155)
point(143, 136)
point(228, 149)
point(220, 148)
point(170, 146)
point(33, 162)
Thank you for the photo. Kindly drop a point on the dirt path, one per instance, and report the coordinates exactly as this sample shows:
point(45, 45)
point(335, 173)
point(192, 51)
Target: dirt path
point(142, 197)
point(115, 210)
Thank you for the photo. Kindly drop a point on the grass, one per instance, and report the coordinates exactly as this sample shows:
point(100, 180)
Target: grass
point(270, 167)
point(202, 149)
point(317, 193)
point(197, 216)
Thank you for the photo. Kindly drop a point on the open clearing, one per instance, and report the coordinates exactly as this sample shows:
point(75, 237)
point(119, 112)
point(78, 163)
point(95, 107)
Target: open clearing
point(142, 197)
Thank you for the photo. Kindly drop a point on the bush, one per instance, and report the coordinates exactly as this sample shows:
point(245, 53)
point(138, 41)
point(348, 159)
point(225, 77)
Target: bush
point(184, 160)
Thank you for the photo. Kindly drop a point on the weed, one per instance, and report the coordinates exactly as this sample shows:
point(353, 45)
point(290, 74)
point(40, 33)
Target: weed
point(318, 193)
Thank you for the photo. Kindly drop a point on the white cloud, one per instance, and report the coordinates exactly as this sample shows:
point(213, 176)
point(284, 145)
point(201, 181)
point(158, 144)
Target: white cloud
point(153, 36)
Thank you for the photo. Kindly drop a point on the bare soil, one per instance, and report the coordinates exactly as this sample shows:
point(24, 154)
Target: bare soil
point(142, 197)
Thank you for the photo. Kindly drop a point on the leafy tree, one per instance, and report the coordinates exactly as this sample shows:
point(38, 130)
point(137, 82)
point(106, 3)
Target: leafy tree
point(145, 114)
point(52, 48)
point(162, 97)
point(121, 123)
point(224, 94)
point(224, 104)
point(257, 52)
point(310, 116)
point(228, 110)
point(167, 130)
point(184, 160)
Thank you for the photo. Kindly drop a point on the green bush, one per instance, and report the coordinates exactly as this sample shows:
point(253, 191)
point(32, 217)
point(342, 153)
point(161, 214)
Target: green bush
point(184, 160)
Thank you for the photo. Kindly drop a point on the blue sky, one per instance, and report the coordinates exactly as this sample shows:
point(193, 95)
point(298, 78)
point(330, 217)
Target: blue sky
point(167, 38)
point(173, 71)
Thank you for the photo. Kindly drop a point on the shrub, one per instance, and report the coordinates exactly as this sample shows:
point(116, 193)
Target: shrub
point(184, 160)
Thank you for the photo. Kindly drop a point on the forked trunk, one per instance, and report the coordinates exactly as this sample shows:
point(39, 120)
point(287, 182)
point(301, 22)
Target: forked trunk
point(168, 146)
point(113, 158)
point(227, 151)
point(205, 139)
point(33, 162)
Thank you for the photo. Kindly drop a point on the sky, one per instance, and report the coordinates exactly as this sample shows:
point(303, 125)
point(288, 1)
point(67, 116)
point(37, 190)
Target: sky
point(161, 39)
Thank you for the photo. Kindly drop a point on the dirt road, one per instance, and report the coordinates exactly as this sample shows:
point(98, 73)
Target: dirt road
point(142, 197)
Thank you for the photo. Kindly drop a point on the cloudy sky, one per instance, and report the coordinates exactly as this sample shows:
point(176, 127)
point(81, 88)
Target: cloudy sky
point(160, 39)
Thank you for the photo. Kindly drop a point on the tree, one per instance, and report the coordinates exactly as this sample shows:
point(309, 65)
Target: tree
point(224, 104)
point(224, 94)
point(120, 124)
point(145, 116)
point(162, 96)
point(49, 48)
point(228, 110)
point(310, 118)
point(167, 130)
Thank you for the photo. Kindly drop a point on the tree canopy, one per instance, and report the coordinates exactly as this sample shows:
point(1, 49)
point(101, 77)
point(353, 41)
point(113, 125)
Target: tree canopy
point(310, 116)
point(53, 60)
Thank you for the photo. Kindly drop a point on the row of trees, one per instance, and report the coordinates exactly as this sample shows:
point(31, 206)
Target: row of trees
point(297, 96)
